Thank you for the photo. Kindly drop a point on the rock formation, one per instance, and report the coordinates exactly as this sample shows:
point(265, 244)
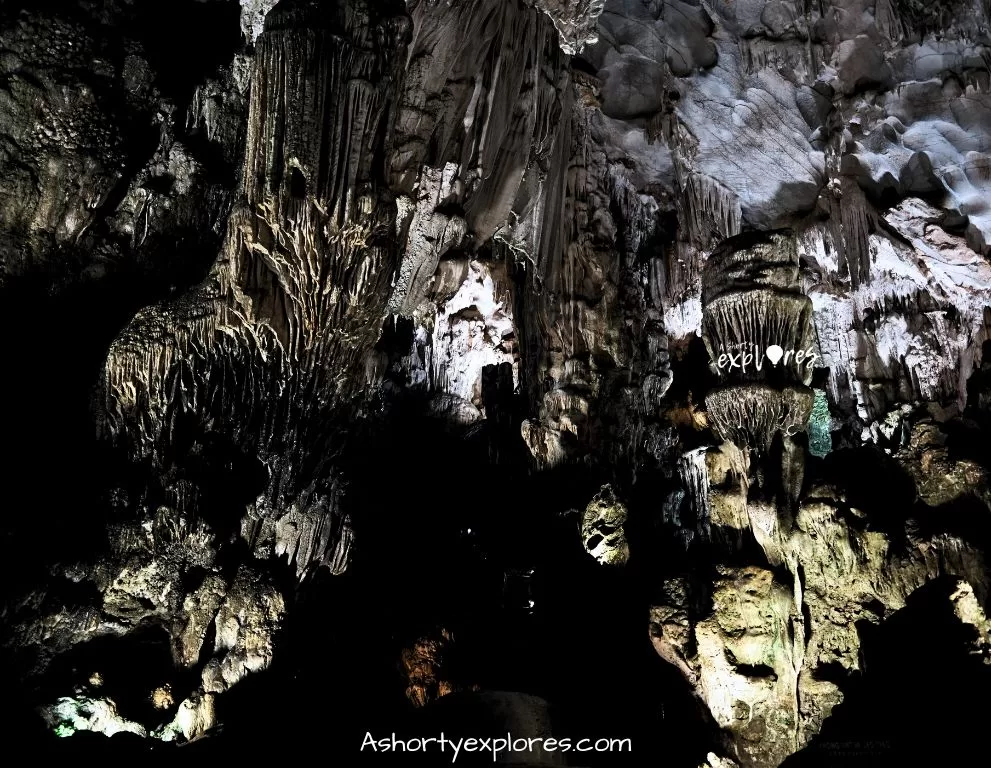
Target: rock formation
point(757, 327)
point(639, 345)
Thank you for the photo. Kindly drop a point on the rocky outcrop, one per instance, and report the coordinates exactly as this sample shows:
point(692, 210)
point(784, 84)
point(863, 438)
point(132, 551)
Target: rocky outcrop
point(602, 529)
point(765, 658)
point(429, 669)
point(301, 280)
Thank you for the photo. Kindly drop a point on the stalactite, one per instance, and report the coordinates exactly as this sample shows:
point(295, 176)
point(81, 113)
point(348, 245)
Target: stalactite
point(314, 533)
point(750, 302)
point(296, 299)
point(547, 233)
point(694, 474)
point(710, 209)
point(760, 52)
point(850, 226)
point(752, 414)
point(749, 322)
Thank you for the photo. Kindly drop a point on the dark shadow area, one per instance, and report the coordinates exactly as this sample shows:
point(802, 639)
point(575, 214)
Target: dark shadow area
point(55, 459)
point(965, 517)
point(967, 439)
point(61, 313)
point(504, 571)
point(582, 646)
point(130, 669)
point(58, 325)
point(693, 373)
point(227, 478)
point(921, 697)
point(876, 482)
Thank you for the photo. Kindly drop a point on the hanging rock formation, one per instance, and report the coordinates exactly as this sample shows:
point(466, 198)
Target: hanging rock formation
point(752, 312)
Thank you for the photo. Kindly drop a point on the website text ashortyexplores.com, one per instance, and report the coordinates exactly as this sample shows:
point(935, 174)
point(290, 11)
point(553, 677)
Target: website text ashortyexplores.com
point(496, 745)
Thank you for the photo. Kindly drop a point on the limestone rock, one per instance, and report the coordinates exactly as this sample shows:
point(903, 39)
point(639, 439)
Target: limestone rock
point(69, 715)
point(427, 667)
point(305, 300)
point(602, 529)
point(751, 416)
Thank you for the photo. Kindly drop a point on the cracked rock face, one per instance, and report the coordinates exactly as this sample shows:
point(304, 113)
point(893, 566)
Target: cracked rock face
point(338, 330)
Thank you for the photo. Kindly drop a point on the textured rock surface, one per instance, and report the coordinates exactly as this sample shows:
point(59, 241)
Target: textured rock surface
point(603, 529)
point(326, 320)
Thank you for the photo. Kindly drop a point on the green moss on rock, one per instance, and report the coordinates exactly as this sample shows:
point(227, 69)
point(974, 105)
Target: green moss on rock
point(820, 439)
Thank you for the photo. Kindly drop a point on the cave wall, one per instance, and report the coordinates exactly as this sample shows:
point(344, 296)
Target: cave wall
point(538, 224)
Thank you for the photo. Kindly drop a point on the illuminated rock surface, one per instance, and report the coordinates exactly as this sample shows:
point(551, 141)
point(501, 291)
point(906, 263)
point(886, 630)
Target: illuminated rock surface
point(603, 529)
